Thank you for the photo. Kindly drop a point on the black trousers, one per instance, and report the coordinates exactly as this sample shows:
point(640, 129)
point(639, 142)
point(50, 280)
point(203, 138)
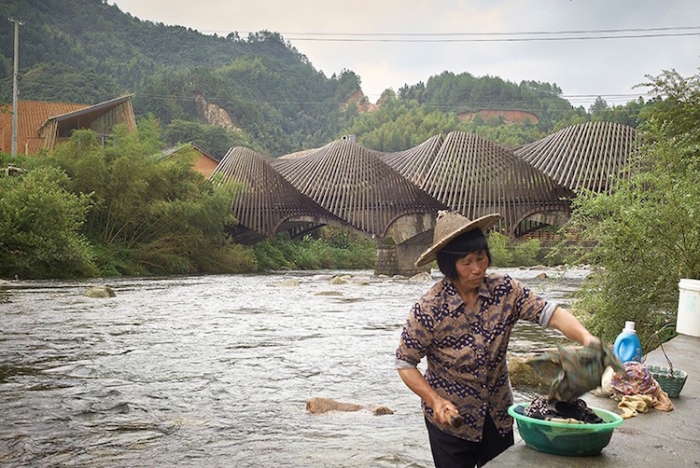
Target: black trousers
point(452, 452)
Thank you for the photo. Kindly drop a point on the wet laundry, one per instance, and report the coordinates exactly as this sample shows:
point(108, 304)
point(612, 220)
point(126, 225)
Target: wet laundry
point(575, 372)
point(561, 411)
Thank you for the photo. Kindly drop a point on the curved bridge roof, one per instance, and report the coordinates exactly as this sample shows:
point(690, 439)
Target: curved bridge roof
point(346, 183)
point(263, 202)
point(589, 155)
point(475, 176)
point(353, 183)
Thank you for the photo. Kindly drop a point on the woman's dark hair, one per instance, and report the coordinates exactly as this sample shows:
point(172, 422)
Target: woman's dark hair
point(469, 242)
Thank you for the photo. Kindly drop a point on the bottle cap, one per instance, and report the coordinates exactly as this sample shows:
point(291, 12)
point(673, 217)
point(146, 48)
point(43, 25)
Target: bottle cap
point(629, 327)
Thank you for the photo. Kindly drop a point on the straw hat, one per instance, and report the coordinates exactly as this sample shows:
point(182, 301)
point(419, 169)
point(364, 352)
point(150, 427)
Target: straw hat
point(448, 226)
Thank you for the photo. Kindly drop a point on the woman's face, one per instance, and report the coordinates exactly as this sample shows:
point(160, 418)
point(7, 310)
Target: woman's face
point(472, 268)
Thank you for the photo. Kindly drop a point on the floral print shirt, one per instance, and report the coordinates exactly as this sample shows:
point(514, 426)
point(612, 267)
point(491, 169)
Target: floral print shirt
point(466, 348)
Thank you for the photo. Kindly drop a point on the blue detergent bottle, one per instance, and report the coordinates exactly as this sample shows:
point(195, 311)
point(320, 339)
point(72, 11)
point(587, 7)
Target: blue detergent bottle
point(627, 346)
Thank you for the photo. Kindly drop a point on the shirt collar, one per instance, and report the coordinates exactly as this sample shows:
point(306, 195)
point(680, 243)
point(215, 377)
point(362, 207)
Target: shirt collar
point(452, 297)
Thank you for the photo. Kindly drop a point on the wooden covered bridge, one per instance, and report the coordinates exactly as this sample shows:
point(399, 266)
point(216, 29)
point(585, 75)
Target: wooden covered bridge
point(394, 197)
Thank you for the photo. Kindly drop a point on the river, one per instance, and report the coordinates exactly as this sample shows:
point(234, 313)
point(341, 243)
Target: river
point(215, 371)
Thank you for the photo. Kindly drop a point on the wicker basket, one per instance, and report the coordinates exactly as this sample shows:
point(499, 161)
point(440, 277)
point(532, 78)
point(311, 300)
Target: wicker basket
point(671, 380)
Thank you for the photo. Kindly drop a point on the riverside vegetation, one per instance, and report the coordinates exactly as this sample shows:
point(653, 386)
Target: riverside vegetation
point(86, 210)
point(645, 236)
point(89, 210)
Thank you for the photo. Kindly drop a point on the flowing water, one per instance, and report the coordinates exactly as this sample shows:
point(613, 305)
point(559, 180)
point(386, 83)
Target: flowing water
point(209, 371)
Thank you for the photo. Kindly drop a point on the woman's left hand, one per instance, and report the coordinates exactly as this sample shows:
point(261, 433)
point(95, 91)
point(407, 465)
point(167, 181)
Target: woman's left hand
point(590, 340)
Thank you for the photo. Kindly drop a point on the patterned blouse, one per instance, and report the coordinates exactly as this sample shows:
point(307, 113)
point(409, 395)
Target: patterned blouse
point(466, 348)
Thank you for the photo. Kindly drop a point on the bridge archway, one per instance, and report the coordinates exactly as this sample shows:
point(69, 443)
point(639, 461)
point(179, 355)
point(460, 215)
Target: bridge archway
point(406, 238)
point(538, 220)
point(263, 202)
point(475, 177)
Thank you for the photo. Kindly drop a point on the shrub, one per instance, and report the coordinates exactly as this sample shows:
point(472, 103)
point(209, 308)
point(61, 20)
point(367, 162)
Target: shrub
point(645, 236)
point(40, 227)
point(526, 253)
point(499, 248)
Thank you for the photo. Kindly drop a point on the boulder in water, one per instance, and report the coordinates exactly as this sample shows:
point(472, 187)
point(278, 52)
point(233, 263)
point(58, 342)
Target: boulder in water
point(100, 292)
point(424, 276)
point(362, 280)
point(289, 283)
point(328, 293)
point(381, 411)
point(318, 405)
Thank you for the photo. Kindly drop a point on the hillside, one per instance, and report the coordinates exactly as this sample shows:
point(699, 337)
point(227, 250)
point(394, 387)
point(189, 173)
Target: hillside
point(91, 35)
point(88, 51)
point(267, 95)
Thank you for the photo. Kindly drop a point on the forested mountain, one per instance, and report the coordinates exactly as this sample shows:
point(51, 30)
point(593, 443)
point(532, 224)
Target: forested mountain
point(274, 100)
point(465, 92)
point(88, 51)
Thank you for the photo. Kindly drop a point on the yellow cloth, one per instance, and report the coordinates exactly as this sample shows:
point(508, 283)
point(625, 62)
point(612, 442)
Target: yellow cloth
point(631, 405)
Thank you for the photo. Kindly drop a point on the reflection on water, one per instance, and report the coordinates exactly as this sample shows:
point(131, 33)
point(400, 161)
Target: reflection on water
point(216, 371)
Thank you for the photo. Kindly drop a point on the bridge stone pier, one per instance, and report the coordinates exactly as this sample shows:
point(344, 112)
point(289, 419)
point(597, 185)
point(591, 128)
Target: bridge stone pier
point(406, 239)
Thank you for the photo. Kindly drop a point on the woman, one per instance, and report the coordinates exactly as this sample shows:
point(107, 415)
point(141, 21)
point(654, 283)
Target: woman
point(463, 324)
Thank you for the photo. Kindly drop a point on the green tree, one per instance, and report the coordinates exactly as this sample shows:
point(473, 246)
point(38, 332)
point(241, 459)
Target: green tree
point(599, 106)
point(213, 138)
point(150, 214)
point(645, 236)
point(40, 227)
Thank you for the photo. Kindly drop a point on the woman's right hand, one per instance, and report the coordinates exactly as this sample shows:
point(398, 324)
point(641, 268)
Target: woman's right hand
point(446, 413)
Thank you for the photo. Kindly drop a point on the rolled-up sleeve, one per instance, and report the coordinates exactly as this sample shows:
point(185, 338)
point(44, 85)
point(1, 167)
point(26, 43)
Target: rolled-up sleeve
point(547, 313)
point(532, 307)
point(400, 364)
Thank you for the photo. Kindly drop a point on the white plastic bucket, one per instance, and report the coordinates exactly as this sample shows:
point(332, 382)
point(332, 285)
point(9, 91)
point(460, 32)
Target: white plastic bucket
point(688, 322)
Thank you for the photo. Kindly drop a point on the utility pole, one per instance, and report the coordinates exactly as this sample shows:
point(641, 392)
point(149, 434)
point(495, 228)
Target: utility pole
point(14, 88)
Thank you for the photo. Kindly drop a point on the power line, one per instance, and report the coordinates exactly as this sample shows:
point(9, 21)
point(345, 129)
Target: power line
point(413, 37)
point(515, 33)
point(484, 101)
point(509, 39)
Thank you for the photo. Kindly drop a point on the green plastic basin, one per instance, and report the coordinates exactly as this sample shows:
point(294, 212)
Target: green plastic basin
point(568, 439)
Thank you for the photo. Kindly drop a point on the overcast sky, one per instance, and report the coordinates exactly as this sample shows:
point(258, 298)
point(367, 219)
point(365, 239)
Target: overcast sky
point(389, 43)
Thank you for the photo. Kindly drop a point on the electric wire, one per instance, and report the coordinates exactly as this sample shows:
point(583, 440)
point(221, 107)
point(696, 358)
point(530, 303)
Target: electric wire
point(492, 36)
point(510, 39)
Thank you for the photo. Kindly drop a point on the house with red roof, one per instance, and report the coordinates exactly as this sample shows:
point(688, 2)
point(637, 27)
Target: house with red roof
point(43, 125)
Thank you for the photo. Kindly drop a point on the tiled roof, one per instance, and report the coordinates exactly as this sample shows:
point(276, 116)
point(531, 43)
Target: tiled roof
point(32, 114)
